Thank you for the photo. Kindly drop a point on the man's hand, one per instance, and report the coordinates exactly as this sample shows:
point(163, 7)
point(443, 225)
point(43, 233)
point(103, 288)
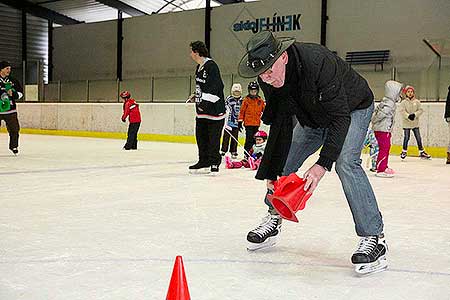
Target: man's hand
point(10, 92)
point(313, 176)
point(191, 99)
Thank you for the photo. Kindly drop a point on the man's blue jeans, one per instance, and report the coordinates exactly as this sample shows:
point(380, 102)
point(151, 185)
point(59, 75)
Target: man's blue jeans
point(357, 189)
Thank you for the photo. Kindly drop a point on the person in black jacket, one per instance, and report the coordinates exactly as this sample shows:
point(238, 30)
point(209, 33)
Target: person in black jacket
point(447, 118)
point(210, 108)
point(10, 91)
point(315, 99)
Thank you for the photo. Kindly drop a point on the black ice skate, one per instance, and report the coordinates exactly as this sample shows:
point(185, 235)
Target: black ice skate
point(200, 168)
point(15, 151)
point(265, 235)
point(424, 155)
point(403, 155)
point(214, 169)
point(370, 257)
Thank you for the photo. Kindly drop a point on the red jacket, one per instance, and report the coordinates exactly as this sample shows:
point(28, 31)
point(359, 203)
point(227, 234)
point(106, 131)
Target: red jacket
point(131, 109)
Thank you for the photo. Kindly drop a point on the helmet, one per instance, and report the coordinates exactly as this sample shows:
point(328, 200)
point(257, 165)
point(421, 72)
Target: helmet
point(253, 86)
point(236, 88)
point(261, 134)
point(125, 94)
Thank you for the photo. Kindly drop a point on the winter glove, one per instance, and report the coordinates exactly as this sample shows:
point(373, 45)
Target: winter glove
point(240, 126)
point(256, 155)
point(412, 117)
point(124, 120)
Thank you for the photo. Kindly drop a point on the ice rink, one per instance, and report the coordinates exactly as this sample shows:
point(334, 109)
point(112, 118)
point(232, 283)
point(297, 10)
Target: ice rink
point(82, 219)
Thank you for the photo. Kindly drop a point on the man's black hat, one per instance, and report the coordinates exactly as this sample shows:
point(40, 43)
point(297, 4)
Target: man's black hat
point(263, 49)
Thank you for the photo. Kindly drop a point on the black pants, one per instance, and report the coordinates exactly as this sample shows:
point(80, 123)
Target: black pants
point(249, 139)
point(226, 140)
point(207, 133)
point(416, 132)
point(13, 127)
point(133, 129)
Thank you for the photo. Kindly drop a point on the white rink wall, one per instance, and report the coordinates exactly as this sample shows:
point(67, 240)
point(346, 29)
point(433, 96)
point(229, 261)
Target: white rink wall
point(178, 119)
point(169, 119)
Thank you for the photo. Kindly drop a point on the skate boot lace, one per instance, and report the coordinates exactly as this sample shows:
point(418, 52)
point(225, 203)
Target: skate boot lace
point(367, 245)
point(269, 223)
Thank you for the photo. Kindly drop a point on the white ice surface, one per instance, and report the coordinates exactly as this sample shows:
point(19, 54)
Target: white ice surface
point(82, 219)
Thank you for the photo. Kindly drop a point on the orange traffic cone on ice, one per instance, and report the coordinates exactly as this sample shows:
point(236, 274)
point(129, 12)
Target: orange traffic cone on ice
point(178, 288)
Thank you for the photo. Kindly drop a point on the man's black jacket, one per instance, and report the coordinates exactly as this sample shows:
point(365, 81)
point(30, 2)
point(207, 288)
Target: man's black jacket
point(321, 90)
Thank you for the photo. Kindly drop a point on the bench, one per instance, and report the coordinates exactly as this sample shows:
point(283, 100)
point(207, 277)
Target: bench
point(376, 57)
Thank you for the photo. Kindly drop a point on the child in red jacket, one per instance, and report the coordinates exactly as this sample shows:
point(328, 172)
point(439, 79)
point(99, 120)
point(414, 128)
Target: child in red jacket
point(131, 110)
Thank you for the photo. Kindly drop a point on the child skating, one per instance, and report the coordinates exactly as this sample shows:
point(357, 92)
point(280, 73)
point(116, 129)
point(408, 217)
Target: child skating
point(256, 153)
point(411, 111)
point(371, 142)
point(232, 105)
point(382, 125)
point(250, 114)
point(131, 111)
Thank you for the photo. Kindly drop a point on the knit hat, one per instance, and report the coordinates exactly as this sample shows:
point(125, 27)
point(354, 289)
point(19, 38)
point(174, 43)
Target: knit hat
point(4, 64)
point(407, 88)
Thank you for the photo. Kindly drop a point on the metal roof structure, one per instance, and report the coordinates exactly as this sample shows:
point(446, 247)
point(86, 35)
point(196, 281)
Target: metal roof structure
point(67, 12)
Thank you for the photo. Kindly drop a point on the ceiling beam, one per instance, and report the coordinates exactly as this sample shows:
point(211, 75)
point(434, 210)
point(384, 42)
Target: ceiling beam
point(228, 1)
point(119, 5)
point(41, 12)
point(171, 2)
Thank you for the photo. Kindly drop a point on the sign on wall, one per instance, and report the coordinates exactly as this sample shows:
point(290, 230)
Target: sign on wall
point(274, 24)
point(247, 24)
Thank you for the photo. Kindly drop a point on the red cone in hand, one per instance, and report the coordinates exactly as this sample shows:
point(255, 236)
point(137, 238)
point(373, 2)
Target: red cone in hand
point(289, 196)
point(178, 289)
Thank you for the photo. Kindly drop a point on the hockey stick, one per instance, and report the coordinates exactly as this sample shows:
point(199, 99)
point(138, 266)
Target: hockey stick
point(190, 99)
point(224, 128)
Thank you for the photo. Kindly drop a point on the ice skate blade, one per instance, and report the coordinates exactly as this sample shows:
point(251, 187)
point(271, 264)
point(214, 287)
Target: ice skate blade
point(371, 268)
point(202, 171)
point(383, 175)
point(269, 242)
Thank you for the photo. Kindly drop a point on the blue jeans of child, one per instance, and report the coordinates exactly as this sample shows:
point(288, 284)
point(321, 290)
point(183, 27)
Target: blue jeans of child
point(357, 189)
point(416, 132)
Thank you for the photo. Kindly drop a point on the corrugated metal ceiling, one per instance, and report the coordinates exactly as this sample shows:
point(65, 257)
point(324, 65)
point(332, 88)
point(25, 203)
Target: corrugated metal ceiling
point(82, 10)
point(94, 11)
